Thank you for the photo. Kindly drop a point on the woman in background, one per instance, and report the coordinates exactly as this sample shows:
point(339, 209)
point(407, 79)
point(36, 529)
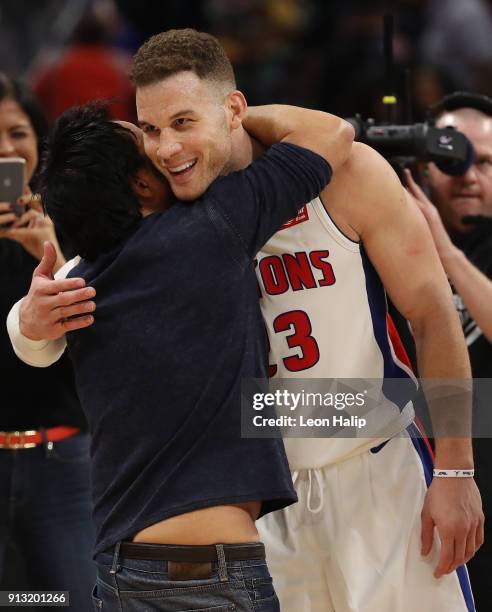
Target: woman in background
point(45, 504)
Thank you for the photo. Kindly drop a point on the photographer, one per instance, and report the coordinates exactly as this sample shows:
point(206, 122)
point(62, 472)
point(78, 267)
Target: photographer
point(459, 215)
point(45, 505)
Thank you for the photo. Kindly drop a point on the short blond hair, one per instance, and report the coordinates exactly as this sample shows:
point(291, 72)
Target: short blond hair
point(175, 51)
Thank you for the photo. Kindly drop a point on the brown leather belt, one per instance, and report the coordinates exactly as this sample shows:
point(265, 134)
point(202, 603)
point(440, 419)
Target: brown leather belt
point(191, 554)
point(32, 438)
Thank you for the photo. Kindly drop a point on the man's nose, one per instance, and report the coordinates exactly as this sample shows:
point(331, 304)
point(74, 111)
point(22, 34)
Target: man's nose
point(471, 176)
point(168, 147)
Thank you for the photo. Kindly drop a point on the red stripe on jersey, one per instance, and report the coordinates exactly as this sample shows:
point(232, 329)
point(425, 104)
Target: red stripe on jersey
point(420, 427)
point(395, 340)
point(401, 353)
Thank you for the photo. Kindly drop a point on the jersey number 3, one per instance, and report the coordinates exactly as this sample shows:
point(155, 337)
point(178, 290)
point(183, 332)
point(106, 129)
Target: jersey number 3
point(298, 322)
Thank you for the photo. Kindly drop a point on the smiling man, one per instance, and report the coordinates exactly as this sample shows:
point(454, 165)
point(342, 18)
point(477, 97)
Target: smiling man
point(185, 122)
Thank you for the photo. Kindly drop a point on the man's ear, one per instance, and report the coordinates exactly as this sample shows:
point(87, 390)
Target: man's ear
point(139, 184)
point(236, 103)
point(152, 190)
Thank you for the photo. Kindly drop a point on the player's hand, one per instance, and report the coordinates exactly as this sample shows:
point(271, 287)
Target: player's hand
point(45, 309)
point(441, 238)
point(454, 507)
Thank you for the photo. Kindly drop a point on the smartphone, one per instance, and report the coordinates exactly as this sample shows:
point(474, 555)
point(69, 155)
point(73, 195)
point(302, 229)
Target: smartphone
point(12, 182)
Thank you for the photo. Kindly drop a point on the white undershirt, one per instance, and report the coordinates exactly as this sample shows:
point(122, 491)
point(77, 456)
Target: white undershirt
point(37, 353)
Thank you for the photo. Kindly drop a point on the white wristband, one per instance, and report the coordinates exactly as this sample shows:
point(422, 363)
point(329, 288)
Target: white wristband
point(454, 473)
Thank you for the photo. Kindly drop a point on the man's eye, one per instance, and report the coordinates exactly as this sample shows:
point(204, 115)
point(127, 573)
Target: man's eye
point(149, 129)
point(181, 121)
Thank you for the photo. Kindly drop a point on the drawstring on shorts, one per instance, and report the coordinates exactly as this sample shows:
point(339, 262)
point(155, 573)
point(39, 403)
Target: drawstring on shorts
point(317, 478)
point(317, 475)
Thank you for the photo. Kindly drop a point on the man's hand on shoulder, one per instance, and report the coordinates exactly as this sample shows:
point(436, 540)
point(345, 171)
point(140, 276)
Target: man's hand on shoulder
point(46, 310)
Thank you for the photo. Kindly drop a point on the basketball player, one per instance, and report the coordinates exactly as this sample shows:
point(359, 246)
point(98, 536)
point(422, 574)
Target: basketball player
point(367, 526)
point(361, 550)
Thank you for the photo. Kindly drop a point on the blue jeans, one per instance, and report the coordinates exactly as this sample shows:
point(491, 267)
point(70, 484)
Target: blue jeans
point(46, 514)
point(135, 585)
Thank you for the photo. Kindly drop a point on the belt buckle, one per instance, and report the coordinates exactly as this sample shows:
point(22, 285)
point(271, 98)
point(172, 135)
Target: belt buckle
point(21, 435)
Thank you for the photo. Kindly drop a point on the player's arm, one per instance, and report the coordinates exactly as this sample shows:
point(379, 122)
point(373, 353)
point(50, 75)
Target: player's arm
point(323, 133)
point(37, 324)
point(399, 244)
point(474, 288)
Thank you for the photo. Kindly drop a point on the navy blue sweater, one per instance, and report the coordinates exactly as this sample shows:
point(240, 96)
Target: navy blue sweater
point(177, 327)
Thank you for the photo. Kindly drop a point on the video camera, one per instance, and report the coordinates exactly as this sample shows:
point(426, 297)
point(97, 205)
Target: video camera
point(403, 145)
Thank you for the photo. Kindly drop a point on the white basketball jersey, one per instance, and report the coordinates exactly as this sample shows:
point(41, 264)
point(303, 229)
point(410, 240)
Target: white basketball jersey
point(325, 311)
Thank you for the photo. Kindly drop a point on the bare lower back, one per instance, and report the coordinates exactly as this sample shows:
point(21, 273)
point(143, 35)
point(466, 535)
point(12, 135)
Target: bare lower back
point(230, 524)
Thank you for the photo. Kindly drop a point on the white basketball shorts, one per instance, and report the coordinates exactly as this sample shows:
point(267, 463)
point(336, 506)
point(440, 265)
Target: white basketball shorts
point(352, 543)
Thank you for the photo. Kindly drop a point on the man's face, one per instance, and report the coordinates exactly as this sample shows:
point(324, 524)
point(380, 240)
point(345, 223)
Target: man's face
point(470, 194)
point(158, 194)
point(187, 132)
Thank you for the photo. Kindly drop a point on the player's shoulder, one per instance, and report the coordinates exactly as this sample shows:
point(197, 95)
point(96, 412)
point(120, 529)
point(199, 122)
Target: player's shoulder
point(366, 166)
point(364, 190)
point(366, 177)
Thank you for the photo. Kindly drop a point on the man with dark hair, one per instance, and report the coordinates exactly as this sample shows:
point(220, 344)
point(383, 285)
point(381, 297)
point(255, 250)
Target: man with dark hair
point(331, 320)
point(159, 374)
point(79, 147)
point(459, 215)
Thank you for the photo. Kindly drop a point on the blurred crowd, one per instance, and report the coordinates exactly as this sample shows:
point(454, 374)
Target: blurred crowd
point(314, 53)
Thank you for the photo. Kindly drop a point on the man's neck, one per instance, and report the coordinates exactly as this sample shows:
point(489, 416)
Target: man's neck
point(244, 150)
